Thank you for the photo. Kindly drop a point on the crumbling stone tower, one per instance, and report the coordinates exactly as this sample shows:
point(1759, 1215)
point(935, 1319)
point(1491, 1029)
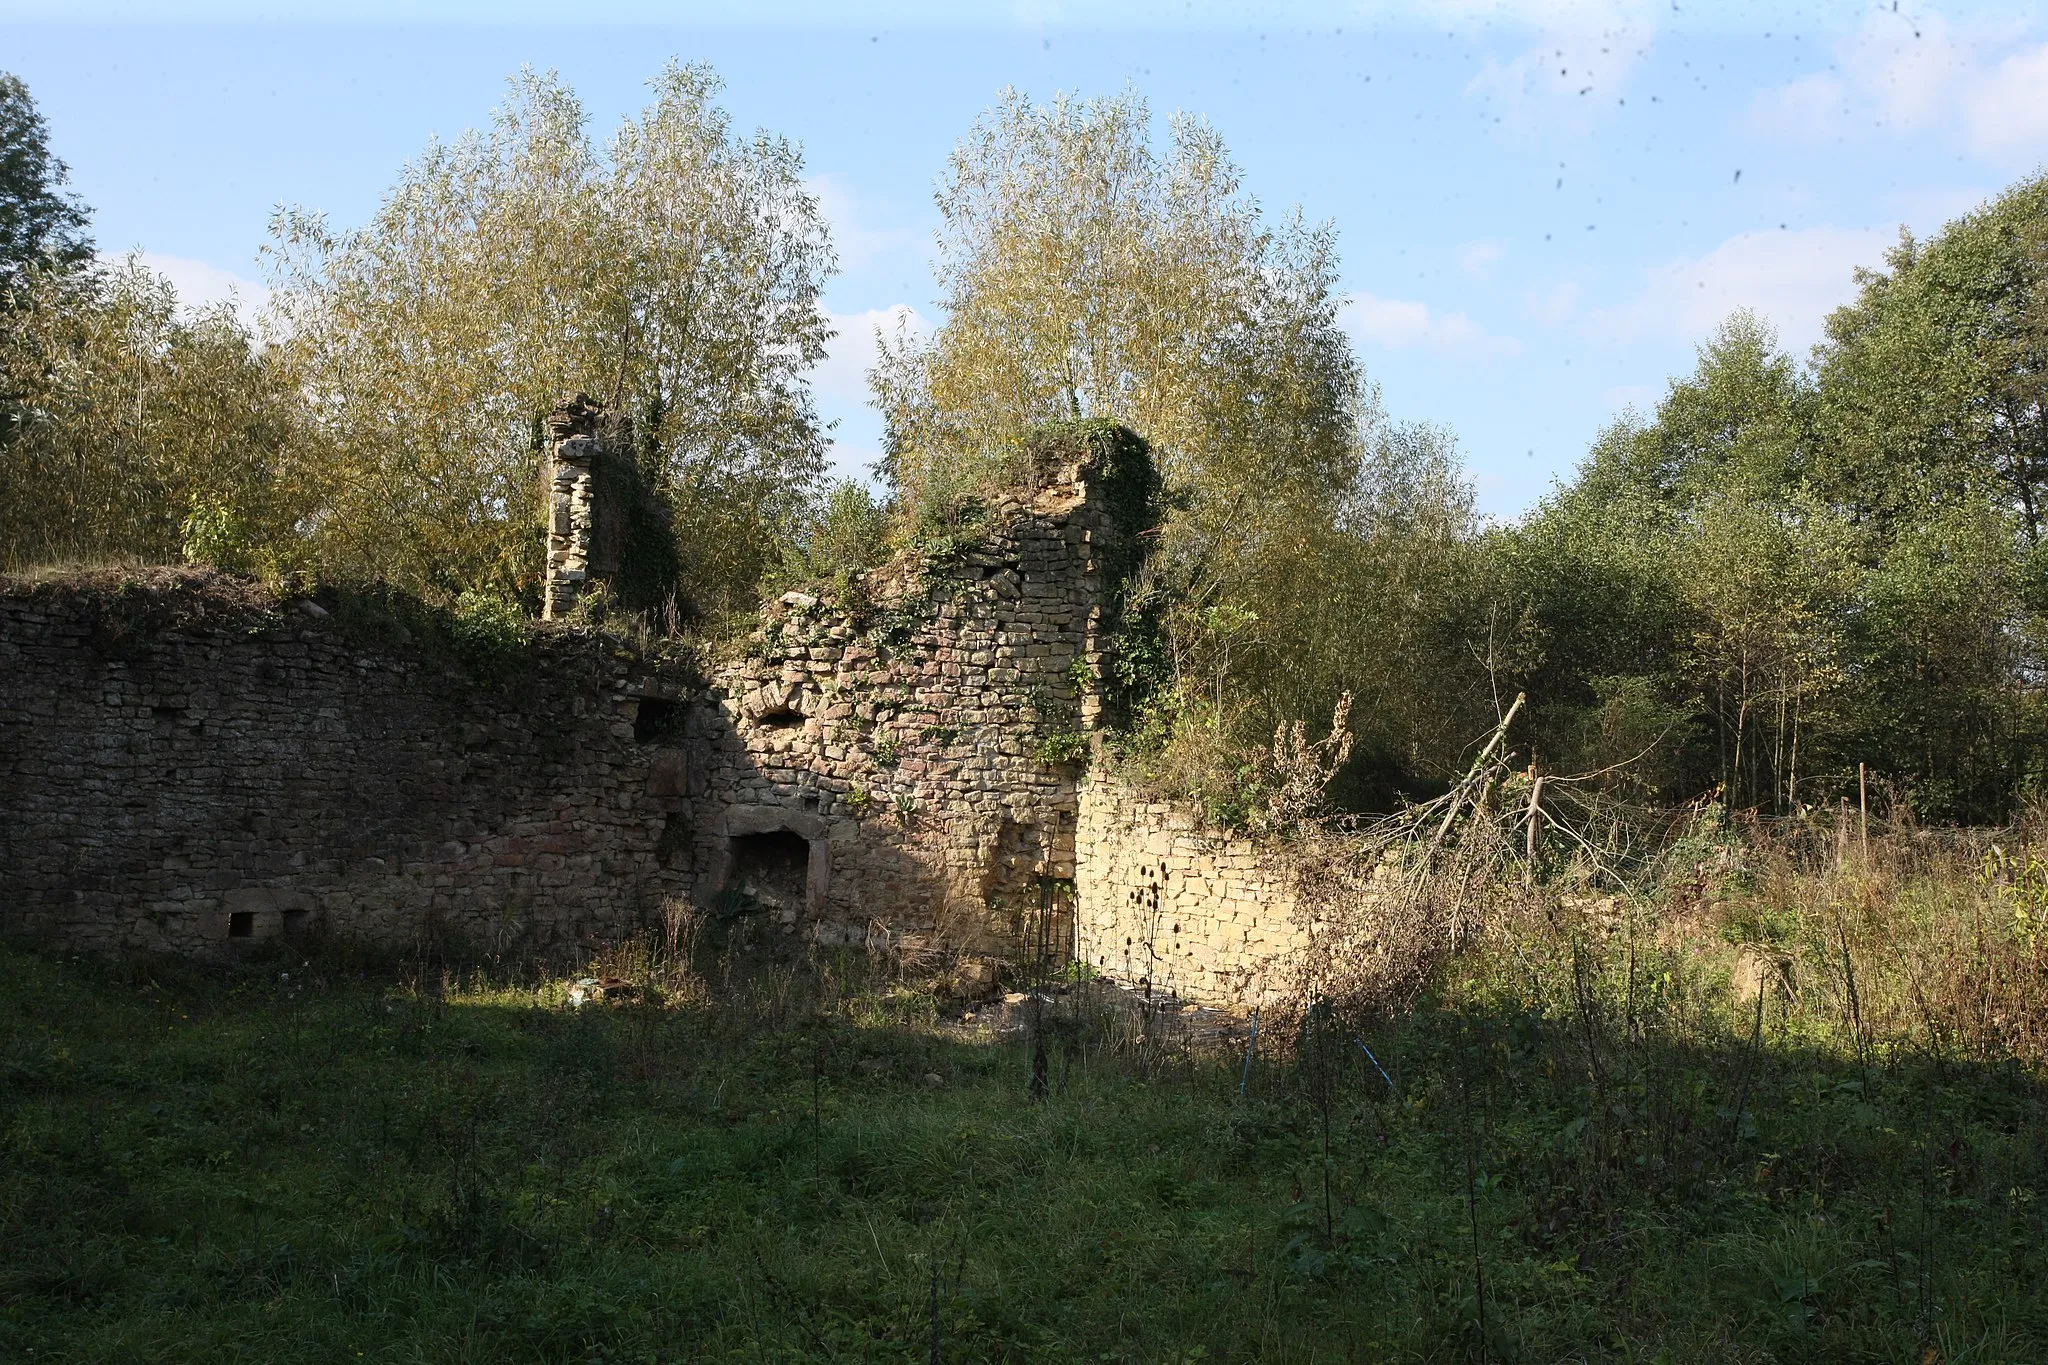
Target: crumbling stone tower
point(586, 503)
point(908, 751)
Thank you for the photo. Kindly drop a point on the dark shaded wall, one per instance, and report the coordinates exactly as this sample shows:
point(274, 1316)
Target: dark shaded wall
point(184, 761)
point(925, 734)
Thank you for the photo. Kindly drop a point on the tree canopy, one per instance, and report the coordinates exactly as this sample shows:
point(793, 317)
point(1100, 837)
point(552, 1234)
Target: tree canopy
point(139, 426)
point(40, 222)
point(675, 275)
point(1089, 273)
point(1788, 571)
point(1785, 572)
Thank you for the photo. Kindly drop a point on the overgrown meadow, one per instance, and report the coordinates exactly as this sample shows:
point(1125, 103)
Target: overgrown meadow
point(1785, 1111)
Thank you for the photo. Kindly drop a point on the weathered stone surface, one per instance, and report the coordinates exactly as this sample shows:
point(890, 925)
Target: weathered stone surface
point(178, 752)
point(881, 731)
point(1161, 901)
point(198, 764)
point(668, 774)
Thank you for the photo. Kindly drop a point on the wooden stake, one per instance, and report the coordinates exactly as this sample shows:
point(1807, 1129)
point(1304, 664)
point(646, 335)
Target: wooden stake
point(1535, 815)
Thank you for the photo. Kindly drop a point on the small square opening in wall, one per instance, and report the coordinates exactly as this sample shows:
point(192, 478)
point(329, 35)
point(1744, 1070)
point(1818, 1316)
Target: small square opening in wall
point(771, 868)
point(653, 719)
point(241, 924)
point(297, 921)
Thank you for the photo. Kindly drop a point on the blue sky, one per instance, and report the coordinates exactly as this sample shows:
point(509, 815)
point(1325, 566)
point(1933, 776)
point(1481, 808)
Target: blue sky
point(1542, 207)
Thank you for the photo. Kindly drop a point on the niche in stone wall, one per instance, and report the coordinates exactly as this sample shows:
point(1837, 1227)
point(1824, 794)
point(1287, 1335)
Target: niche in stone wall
point(772, 870)
point(672, 849)
point(772, 858)
point(654, 720)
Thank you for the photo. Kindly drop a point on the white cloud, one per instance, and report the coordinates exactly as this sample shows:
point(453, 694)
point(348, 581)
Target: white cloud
point(1398, 324)
point(1549, 15)
point(1579, 65)
point(200, 284)
point(857, 241)
point(1812, 107)
point(1793, 278)
point(1900, 75)
point(2007, 110)
point(1553, 304)
point(1477, 259)
point(843, 375)
point(841, 384)
point(1891, 73)
point(1905, 68)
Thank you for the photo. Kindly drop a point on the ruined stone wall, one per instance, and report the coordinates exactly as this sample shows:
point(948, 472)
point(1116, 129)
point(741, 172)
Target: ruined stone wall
point(1164, 901)
point(924, 738)
point(184, 761)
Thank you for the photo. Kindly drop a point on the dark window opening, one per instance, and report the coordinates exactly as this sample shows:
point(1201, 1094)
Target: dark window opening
point(783, 719)
point(773, 869)
point(652, 720)
point(241, 924)
point(297, 921)
point(673, 848)
point(1051, 935)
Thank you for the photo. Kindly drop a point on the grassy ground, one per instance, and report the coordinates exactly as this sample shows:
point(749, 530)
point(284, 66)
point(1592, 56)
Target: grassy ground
point(1582, 1148)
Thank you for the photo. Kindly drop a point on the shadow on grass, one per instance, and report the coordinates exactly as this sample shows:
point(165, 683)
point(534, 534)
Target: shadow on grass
point(312, 1159)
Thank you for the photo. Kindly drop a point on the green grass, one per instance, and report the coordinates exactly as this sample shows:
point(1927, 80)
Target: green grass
point(341, 1166)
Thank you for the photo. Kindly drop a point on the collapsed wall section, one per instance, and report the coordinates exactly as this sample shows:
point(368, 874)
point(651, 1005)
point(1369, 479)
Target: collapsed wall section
point(922, 733)
point(1167, 903)
point(185, 762)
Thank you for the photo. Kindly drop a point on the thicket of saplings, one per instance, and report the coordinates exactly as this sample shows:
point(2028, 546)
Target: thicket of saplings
point(1578, 1140)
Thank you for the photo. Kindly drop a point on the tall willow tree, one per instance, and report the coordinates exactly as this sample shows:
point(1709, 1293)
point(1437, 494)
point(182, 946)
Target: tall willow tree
point(674, 275)
point(137, 428)
point(1089, 274)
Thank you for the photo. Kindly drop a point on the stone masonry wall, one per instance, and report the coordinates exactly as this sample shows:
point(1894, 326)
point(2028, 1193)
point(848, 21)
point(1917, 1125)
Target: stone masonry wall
point(1164, 902)
point(923, 739)
point(183, 760)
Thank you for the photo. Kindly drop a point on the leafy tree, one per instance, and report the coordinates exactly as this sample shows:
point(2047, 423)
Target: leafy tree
point(1088, 275)
point(1687, 575)
point(1933, 384)
point(141, 430)
point(1767, 584)
point(1741, 419)
point(1586, 615)
point(675, 275)
point(40, 224)
point(1391, 594)
point(846, 535)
